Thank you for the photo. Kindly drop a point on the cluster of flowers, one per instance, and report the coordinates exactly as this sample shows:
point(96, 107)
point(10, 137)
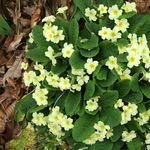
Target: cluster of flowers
point(56, 121)
point(137, 53)
point(102, 131)
point(128, 110)
point(54, 80)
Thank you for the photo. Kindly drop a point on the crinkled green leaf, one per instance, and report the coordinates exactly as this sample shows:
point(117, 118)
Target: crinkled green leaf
point(109, 98)
point(123, 87)
point(105, 145)
point(134, 97)
point(102, 74)
point(89, 90)
point(38, 54)
point(110, 80)
point(145, 88)
point(107, 49)
point(73, 31)
point(76, 60)
point(127, 15)
point(89, 53)
point(90, 43)
point(111, 116)
point(60, 67)
point(39, 39)
point(82, 5)
point(117, 133)
point(71, 102)
point(135, 82)
point(22, 107)
point(92, 27)
point(84, 125)
point(135, 144)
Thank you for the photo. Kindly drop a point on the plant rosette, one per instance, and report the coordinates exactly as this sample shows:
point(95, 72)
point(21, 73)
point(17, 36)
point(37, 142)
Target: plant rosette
point(91, 81)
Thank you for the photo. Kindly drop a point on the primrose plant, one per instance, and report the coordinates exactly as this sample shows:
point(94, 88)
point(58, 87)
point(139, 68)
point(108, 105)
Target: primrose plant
point(90, 79)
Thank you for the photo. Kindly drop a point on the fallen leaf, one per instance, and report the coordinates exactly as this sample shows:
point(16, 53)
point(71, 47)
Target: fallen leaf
point(15, 70)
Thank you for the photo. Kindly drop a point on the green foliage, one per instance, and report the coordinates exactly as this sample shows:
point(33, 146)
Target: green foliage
point(89, 90)
point(73, 31)
point(123, 87)
point(109, 98)
point(38, 54)
point(84, 125)
point(127, 15)
point(76, 60)
point(4, 27)
point(135, 144)
point(71, 102)
point(90, 43)
point(111, 116)
point(73, 91)
point(106, 145)
point(145, 88)
point(134, 97)
point(38, 36)
point(22, 107)
point(110, 80)
point(107, 49)
point(89, 53)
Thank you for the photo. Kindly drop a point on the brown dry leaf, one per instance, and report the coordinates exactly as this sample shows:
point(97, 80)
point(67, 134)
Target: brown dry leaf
point(2, 121)
point(142, 5)
point(10, 109)
point(15, 70)
point(3, 59)
point(36, 17)
point(16, 41)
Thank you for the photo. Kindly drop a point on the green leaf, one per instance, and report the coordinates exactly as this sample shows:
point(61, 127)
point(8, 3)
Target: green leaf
point(109, 98)
point(117, 145)
point(22, 107)
point(135, 144)
point(117, 133)
point(106, 145)
point(89, 44)
point(112, 2)
point(84, 125)
point(122, 58)
point(73, 31)
point(102, 74)
point(89, 53)
point(38, 54)
point(138, 22)
point(71, 102)
point(145, 88)
point(122, 42)
point(123, 87)
point(76, 60)
point(82, 5)
point(92, 27)
point(60, 67)
point(111, 78)
point(134, 97)
point(4, 27)
point(135, 82)
point(111, 116)
point(39, 39)
point(127, 15)
point(89, 90)
point(107, 49)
